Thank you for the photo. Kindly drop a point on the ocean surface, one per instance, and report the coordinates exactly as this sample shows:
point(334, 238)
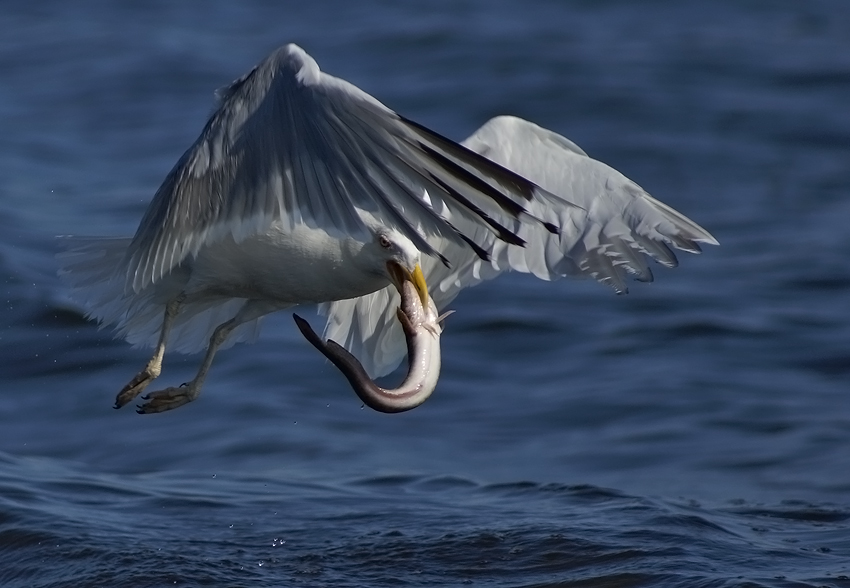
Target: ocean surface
point(693, 433)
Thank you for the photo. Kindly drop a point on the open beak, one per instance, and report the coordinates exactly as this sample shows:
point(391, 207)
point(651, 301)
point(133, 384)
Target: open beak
point(399, 275)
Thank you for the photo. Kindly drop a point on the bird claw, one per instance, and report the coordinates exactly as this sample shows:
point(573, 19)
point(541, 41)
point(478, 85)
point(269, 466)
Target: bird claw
point(168, 399)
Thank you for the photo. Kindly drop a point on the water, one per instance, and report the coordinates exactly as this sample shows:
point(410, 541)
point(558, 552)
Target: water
point(692, 433)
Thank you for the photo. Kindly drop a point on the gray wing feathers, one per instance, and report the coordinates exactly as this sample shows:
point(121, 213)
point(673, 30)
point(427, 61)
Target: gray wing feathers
point(609, 227)
point(293, 144)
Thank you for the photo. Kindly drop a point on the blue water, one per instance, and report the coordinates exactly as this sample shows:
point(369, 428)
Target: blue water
point(695, 432)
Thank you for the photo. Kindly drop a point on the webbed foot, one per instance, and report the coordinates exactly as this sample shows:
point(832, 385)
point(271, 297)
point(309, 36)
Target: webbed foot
point(169, 399)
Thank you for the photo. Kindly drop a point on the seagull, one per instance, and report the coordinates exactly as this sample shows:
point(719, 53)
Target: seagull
point(303, 189)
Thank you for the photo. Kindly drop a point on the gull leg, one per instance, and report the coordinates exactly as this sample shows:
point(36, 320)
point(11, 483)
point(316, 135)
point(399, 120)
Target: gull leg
point(174, 397)
point(177, 396)
point(154, 367)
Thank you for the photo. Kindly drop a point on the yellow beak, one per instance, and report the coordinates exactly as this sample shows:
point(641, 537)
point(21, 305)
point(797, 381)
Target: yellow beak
point(416, 277)
point(418, 280)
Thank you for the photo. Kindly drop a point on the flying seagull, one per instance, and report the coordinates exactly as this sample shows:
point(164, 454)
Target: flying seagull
point(302, 188)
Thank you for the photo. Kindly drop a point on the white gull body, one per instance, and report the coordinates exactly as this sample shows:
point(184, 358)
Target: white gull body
point(302, 188)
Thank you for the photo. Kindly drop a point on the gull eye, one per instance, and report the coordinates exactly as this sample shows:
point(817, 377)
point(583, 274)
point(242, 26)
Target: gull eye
point(384, 242)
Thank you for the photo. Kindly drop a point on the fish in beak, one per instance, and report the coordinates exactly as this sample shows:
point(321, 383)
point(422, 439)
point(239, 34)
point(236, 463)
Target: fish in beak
point(399, 275)
point(421, 325)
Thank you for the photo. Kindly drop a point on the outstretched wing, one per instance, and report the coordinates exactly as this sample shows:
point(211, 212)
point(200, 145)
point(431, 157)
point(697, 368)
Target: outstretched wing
point(290, 143)
point(606, 230)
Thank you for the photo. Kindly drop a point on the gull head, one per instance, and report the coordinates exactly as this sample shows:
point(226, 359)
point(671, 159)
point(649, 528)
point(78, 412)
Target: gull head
point(396, 258)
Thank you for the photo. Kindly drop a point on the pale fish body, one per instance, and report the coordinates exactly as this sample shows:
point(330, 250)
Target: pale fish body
point(421, 324)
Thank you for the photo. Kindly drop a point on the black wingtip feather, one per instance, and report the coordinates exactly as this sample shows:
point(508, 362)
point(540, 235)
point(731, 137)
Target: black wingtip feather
point(479, 251)
point(504, 233)
point(473, 181)
point(504, 176)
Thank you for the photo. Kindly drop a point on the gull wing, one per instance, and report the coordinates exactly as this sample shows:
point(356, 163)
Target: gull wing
point(608, 227)
point(289, 143)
